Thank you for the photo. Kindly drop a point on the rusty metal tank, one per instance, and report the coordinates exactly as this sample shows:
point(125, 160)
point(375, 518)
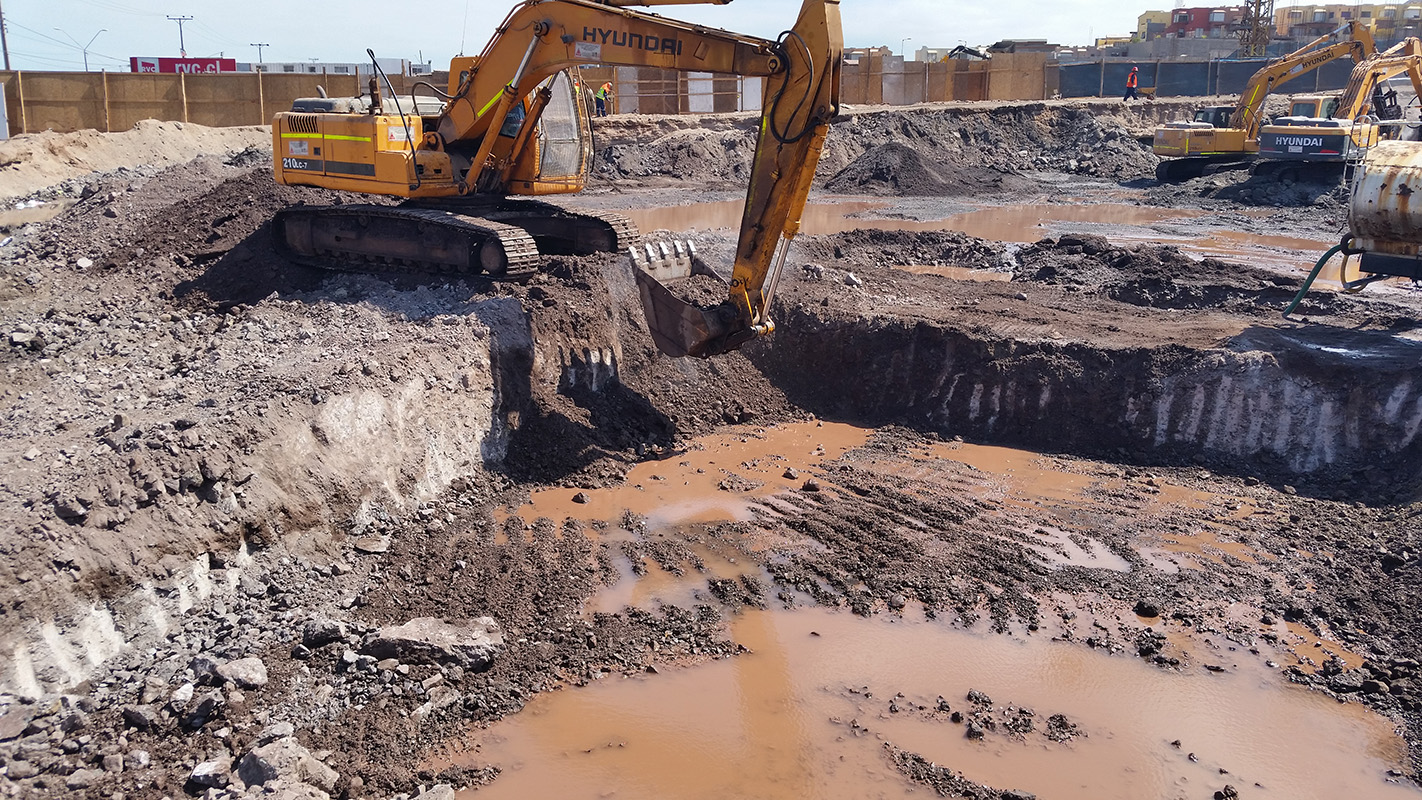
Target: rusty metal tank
point(1386, 223)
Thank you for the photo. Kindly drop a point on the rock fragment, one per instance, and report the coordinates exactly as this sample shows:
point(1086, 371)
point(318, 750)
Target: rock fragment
point(248, 673)
point(427, 640)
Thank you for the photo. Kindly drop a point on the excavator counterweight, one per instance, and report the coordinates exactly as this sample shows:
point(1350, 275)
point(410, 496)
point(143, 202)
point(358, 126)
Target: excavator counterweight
point(515, 123)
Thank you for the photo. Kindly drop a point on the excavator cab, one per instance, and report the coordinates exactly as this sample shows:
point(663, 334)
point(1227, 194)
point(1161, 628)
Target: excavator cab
point(1313, 106)
point(1215, 116)
point(562, 142)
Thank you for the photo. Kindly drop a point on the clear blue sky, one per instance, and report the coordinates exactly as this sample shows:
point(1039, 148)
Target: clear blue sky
point(340, 30)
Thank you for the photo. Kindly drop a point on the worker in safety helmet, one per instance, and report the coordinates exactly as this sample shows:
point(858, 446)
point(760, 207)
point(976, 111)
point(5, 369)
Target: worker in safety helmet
point(1132, 81)
point(601, 96)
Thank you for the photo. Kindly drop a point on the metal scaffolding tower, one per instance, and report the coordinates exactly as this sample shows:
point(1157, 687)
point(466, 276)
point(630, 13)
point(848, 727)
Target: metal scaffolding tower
point(1256, 28)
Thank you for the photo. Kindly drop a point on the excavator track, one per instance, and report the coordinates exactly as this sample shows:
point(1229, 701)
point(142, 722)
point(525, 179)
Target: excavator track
point(557, 229)
point(399, 239)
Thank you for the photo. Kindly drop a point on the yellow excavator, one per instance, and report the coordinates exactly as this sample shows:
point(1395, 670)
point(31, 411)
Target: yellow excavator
point(1229, 135)
point(1318, 146)
point(512, 122)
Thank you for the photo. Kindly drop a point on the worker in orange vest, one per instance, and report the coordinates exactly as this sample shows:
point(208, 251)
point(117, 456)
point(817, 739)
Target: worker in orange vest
point(1132, 81)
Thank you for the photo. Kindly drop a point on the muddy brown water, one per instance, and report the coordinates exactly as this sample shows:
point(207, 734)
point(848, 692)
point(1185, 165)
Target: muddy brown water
point(806, 714)
point(1022, 224)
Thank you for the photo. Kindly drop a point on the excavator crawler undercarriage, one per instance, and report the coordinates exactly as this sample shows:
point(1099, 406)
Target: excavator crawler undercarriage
point(498, 238)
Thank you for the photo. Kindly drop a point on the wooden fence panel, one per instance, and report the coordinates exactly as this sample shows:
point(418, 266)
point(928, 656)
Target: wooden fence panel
point(139, 96)
point(222, 101)
point(1017, 76)
point(64, 101)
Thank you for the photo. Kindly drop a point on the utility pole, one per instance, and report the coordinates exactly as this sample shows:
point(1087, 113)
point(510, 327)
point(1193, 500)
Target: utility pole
point(182, 48)
point(259, 46)
point(4, 43)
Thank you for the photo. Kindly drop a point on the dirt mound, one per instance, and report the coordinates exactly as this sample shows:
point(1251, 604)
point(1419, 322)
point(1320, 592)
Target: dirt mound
point(861, 249)
point(1240, 187)
point(897, 169)
point(955, 145)
point(32, 161)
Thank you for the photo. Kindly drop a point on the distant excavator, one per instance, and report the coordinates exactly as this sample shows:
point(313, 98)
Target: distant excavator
point(1367, 112)
point(1229, 135)
point(512, 122)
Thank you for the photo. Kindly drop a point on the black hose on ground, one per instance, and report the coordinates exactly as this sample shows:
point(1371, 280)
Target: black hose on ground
point(1313, 275)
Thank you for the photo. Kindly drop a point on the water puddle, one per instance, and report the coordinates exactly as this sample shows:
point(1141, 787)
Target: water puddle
point(721, 478)
point(16, 216)
point(807, 714)
point(1024, 224)
point(957, 273)
point(809, 711)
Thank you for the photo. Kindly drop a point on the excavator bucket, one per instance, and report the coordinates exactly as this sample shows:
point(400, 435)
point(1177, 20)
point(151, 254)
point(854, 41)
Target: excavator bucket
point(802, 98)
point(679, 328)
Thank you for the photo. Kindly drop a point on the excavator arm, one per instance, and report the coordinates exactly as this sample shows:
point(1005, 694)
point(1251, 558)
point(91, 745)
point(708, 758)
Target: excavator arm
point(1350, 39)
point(1357, 98)
point(543, 37)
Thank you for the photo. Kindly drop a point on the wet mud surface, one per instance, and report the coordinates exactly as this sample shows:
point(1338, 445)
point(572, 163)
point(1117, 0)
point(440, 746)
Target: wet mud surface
point(1060, 427)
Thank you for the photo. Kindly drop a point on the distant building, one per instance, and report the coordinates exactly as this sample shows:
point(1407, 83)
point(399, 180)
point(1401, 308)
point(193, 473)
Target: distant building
point(391, 66)
point(939, 54)
point(1024, 46)
point(1104, 42)
point(852, 55)
point(1151, 25)
point(1384, 20)
point(1211, 22)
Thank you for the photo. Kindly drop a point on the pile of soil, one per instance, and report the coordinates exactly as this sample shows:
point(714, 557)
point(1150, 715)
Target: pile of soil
point(949, 146)
point(33, 161)
point(897, 169)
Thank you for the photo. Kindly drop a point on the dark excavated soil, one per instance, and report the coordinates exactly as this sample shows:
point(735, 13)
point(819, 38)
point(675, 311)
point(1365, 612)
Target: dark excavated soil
point(897, 169)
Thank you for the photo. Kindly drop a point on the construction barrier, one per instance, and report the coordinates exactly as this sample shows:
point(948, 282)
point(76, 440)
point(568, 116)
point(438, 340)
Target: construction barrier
point(1107, 78)
point(115, 101)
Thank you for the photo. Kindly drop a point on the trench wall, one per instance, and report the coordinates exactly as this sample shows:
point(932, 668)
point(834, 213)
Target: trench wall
point(1268, 406)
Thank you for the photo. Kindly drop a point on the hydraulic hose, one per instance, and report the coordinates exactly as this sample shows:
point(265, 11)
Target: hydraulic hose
point(1313, 275)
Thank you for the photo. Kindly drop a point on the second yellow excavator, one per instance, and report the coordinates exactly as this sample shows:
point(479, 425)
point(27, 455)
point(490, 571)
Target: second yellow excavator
point(1319, 145)
point(512, 122)
point(1221, 135)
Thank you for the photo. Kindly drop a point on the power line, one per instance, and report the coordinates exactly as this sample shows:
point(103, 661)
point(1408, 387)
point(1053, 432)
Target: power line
point(63, 43)
point(122, 9)
point(215, 34)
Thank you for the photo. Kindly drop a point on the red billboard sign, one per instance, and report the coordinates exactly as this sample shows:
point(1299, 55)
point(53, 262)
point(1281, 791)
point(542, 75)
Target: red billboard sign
point(155, 64)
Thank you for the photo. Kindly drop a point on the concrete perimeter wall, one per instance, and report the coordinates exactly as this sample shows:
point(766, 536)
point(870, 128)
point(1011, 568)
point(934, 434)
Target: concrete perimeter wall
point(1107, 78)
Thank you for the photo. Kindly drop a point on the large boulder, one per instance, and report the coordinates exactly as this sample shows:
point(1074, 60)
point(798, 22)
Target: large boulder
point(248, 673)
point(427, 640)
point(288, 761)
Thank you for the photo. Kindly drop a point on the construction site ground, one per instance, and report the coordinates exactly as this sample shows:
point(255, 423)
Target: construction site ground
point(1033, 491)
